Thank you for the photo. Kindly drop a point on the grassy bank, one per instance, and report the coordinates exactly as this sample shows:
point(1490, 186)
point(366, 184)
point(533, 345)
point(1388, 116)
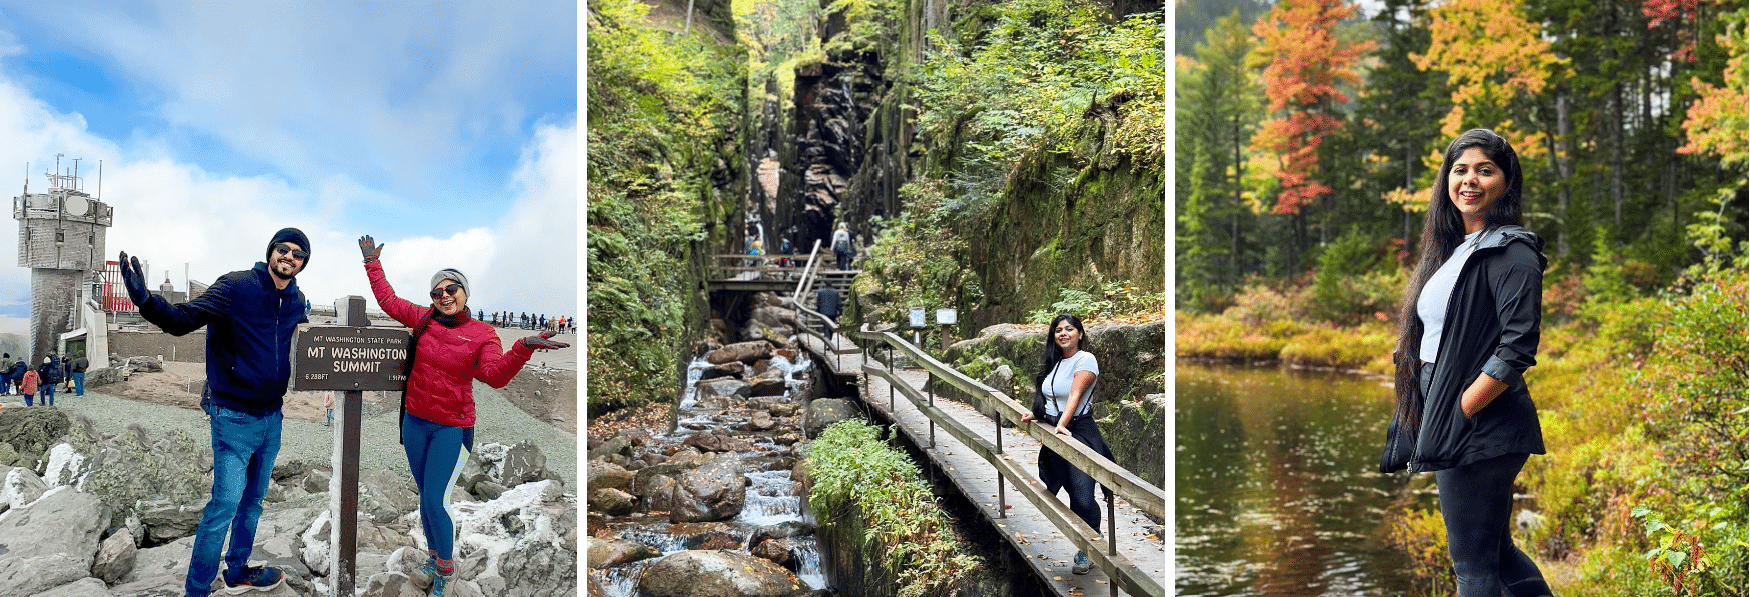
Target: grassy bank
point(1642, 400)
point(860, 481)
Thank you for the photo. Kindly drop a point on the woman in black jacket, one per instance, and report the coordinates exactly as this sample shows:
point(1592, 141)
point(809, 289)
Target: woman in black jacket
point(1468, 330)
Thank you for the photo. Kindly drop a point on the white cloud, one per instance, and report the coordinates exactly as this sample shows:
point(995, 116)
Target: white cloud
point(410, 90)
point(518, 245)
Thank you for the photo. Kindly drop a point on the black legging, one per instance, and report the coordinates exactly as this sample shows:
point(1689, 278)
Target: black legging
point(1476, 501)
point(1058, 473)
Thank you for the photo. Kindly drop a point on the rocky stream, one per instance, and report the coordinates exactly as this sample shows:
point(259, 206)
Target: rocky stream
point(712, 506)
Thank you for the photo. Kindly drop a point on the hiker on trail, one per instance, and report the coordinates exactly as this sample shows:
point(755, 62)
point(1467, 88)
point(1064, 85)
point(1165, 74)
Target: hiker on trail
point(76, 370)
point(27, 383)
point(50, 373)
point(1468, 331)
point(251, 316)
point(841, 246)
point(5, 374)
point(830, 304)
point(19, 367)
point(328, 408)
point(448, 351)
point(1065, 384)
point(785, 250)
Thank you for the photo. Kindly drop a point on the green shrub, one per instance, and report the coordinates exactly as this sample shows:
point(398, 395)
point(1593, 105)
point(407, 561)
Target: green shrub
point(854, 471)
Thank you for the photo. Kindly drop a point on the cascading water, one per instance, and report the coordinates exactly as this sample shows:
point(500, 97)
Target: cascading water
point(772, 499)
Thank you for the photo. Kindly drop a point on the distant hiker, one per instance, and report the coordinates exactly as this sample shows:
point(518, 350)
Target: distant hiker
point(437, 410)
point(328, 408)
point(841, 246)
point(27, 383)
point(755, 251)
point(50, 373)
point(828, 303)
point(19, 367)
point(5, 374)
point(251, 316)
point(784, 249)
point(1065, 387)
point(76, 370)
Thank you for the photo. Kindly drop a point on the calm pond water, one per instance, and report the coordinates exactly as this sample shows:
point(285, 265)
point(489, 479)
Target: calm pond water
point(1277, 483)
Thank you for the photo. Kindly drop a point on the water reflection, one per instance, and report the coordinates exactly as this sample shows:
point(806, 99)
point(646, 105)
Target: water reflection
point(1277, 487)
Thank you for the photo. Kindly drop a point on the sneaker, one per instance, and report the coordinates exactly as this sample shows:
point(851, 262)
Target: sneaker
point(439, 584)
point(1082, 564)
point(425, 575)
point(253, 578)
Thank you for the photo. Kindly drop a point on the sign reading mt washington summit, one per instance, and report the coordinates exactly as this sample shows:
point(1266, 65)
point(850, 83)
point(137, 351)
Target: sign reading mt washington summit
point(350, 358)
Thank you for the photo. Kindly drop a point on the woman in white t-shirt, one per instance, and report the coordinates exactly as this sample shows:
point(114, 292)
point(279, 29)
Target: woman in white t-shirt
point(1066, 378)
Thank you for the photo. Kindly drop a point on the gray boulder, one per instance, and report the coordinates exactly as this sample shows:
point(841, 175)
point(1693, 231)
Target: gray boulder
point(745, 352)
point(50, 542)
point(386, 495)
point(823, 413)
point(612, 502)
point(607, 476)
point(729, 369)
point(724, 386)
point(20, 486)
point(84, 587)
point(714, 491)
point(168, 521)
point(539, 568)
point(615, 445)
point(522, 464)
point(699, 573)
point(654, 485)
point(115, 557)
point(608, 553)
point(391, 584)
point(164, 560)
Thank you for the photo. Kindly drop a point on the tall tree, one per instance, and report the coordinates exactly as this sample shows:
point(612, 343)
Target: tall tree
point(1307, 70)
point(1218, 104)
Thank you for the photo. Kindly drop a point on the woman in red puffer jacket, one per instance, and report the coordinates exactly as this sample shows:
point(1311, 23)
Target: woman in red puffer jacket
point(450, 349)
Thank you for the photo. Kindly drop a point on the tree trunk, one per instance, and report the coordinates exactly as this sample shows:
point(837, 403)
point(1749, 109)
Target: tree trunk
point(1564, 172)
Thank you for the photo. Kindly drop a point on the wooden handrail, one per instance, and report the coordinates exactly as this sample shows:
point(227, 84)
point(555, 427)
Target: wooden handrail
point(1141, 493)
point(1124, 573)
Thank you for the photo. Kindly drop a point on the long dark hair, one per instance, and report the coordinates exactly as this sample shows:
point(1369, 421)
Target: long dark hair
point(1053, 354)
point(1442, 231)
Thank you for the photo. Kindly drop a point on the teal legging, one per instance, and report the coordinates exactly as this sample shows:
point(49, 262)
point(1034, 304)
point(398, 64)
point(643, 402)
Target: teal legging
point(436, 454)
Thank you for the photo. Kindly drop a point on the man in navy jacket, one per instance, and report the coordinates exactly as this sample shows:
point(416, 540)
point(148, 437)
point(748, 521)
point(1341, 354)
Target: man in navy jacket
point(251, 316)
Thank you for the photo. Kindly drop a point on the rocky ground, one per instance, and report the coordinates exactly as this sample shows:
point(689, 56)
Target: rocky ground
point(689, 486)
point(89, 513)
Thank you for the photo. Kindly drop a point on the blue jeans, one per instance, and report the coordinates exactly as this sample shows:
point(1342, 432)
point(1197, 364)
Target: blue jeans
point(244, 446)
point(435, 454)
point(48, 391)
point(79, 383)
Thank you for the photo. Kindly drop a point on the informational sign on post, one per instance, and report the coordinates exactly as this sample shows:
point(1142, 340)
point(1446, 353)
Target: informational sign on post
point(945, 319)
point(348, 358)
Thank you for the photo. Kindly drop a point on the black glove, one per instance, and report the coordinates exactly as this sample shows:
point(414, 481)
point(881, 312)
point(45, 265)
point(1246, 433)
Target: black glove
point(542, 342)
point(370, 248)
point(133, 279)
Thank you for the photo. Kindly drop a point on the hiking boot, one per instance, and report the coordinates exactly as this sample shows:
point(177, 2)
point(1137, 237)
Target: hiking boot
point(1082, 564)
point(425, 575)
point(253, 578)
point(438, 585)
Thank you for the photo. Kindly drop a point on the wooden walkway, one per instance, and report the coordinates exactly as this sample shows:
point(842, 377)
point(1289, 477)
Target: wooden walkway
point(1027, 529)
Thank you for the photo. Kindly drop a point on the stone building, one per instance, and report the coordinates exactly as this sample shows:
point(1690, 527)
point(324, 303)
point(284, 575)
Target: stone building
point(61, 240)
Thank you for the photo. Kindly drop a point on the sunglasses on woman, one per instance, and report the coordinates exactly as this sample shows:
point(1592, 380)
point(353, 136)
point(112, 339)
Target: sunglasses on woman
point(300, 254)
point(439, 292)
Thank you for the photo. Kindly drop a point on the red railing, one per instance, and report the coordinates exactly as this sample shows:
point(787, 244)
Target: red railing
point(115, 296)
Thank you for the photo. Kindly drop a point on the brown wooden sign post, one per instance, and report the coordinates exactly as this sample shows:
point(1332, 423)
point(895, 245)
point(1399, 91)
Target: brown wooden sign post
point(351, 358)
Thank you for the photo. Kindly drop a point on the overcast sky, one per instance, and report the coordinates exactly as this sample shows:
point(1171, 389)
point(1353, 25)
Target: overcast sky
point(446, 130)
